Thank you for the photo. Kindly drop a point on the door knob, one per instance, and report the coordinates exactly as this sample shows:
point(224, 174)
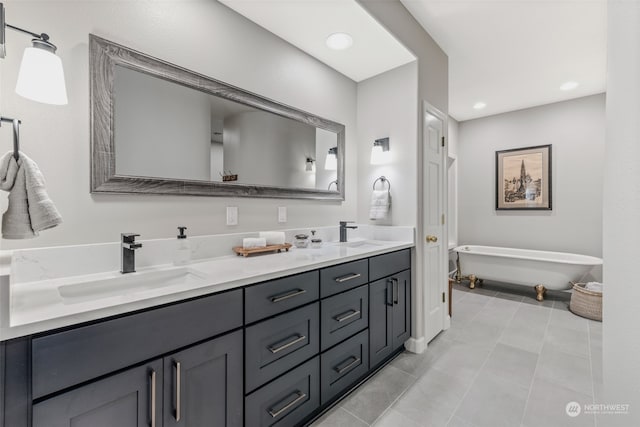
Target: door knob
point(431, 238)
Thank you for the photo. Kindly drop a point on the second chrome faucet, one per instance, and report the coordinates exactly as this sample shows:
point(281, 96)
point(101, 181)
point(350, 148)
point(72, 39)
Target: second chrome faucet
point(343, 229)
point(128, 255)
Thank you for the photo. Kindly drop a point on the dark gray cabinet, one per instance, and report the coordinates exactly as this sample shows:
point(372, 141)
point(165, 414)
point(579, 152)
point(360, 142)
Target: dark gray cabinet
point(389, 315)
point(132, 398)
point(203, 384)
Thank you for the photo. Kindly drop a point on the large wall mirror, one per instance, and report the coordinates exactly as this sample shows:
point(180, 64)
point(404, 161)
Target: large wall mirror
point(159, 128)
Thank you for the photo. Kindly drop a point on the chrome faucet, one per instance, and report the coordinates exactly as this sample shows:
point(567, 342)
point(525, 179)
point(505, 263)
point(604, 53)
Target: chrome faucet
point(128, 257)
point(343, 229)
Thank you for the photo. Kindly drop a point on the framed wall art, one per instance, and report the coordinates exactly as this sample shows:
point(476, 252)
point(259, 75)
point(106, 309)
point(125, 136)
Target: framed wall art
point(523, 178)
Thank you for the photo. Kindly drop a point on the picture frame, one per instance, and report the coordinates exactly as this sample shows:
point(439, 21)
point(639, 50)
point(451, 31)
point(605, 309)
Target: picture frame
point(523, 178)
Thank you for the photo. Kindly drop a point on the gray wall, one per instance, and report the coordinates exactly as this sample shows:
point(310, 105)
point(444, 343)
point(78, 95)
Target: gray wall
point(621, 311)
point(386, 104)
point(576, 130)
point(236, 51)
point(159, 138)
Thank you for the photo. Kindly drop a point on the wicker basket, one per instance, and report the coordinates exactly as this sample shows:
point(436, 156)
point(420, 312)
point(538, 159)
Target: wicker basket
point(586, 303)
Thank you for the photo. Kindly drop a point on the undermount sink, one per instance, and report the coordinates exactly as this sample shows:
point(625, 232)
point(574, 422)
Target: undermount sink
point(129, 283)
point(356, 243)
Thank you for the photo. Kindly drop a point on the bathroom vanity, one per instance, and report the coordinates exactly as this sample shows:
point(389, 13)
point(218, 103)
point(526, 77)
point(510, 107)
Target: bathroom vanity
point(275, 352)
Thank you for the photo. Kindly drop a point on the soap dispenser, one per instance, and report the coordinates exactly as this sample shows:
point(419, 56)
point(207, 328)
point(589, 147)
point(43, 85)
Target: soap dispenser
point(183, 250)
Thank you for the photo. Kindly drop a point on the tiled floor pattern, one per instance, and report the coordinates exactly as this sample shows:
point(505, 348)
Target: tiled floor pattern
point(507, 360)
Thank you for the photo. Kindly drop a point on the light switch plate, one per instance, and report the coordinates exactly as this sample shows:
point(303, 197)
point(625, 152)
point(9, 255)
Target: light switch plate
point(232, 215)
point(282, 214)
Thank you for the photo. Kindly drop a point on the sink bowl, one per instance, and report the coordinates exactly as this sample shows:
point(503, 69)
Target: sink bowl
point(129, 283)
point(357, 243)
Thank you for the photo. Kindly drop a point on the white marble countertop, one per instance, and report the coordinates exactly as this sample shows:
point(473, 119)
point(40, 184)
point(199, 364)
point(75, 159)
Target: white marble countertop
point(38, 306)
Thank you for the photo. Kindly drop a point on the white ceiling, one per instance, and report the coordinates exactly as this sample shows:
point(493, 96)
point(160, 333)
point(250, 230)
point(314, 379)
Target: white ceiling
point(509, 54)
point(516, 54)
point(307, 23)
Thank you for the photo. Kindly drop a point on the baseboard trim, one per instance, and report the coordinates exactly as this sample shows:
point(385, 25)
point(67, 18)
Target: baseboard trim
point(417, 346)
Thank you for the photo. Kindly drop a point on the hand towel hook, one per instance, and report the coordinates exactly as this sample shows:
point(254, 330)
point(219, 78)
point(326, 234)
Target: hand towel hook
point(382, 179)
point(16, 135)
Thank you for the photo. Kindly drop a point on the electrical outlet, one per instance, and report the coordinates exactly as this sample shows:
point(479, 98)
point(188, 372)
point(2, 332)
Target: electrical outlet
point(232, 215)
point(282, 214)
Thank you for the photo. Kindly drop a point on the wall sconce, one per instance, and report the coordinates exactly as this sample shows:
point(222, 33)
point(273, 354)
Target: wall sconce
point(309, 164)
point(41, 77)
point(331, 163)
point(380, 151)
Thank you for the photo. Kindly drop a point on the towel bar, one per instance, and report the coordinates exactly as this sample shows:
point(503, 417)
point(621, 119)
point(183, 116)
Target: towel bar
point(16, 134)
point(382, 179)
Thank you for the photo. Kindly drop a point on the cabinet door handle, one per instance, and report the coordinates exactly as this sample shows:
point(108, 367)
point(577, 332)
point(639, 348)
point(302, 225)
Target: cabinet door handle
point(295, 340)
point(388, 300)
point(396, 290)
point(178, 374)
point(152, 396)
point(346, 316)
point(299, 396)
point(349, 365)
point(348, 277)
point(287, 295)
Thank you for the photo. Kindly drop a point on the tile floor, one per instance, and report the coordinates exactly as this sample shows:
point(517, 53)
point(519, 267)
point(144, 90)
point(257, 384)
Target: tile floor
point(507, 360)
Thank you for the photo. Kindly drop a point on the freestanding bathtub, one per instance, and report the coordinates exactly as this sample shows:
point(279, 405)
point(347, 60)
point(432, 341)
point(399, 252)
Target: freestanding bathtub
point(541, 269)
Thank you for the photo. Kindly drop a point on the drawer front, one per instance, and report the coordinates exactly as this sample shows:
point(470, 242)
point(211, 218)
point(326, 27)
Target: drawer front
point(287, 400)
point(343, 315)
point(343, 365)
point(276, 345)
point(343, 277)
point(270, 298)
point(384, 265)
point(67, 358)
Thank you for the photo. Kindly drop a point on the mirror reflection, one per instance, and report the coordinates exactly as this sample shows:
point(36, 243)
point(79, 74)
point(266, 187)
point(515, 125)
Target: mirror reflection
point(166, 130)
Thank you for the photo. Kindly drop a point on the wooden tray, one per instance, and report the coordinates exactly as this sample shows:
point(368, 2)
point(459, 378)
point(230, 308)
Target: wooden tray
point(271, 248)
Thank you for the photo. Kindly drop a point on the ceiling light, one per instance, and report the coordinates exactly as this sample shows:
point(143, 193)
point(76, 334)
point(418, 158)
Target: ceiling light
point(569, 85)
point(479, 105)
point(339, 41)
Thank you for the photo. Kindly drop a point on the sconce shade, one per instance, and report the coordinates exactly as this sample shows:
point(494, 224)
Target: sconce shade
point(309, 165)
point(331, 162)
point(380, 151)
point(41, 77)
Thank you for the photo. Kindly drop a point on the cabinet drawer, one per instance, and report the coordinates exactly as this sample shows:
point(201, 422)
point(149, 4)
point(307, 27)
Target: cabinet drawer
point(287, 400)
point(343, 365)
point(343, 315)
point(71, 357)
point(384, 265)
point(276, 345)
point(270, 298)
point(343, 277)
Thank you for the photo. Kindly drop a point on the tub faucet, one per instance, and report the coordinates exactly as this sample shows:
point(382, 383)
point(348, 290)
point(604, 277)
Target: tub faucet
point(343, 229)
point(128, 257)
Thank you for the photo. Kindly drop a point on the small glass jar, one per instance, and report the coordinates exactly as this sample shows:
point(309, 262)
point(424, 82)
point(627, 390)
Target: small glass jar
point(316, 243)
point(301, 240)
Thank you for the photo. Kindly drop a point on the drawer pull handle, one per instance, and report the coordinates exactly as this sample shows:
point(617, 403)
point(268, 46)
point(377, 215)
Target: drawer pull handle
point(152, 397)
point(348, 277)
point(296, 340)
point(299, 397)
point(288, 295)
point(355, 361)
point(176, 367)
point(346, 316)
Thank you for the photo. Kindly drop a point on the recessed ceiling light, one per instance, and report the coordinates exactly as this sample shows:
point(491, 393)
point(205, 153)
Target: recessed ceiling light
point(568, 85)
point(339, 41)
point(479, 105)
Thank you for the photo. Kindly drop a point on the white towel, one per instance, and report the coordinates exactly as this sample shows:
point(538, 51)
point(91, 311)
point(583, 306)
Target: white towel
point(593, 286)
point(254, 242)
point(30, 210)
point(273, 237)
point(380, 204)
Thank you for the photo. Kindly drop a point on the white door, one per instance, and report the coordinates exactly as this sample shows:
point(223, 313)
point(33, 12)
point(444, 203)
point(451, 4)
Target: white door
point(434, 240)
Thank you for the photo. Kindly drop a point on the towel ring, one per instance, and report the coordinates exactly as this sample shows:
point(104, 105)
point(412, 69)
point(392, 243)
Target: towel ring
point(331, 183)
point(382, 179)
